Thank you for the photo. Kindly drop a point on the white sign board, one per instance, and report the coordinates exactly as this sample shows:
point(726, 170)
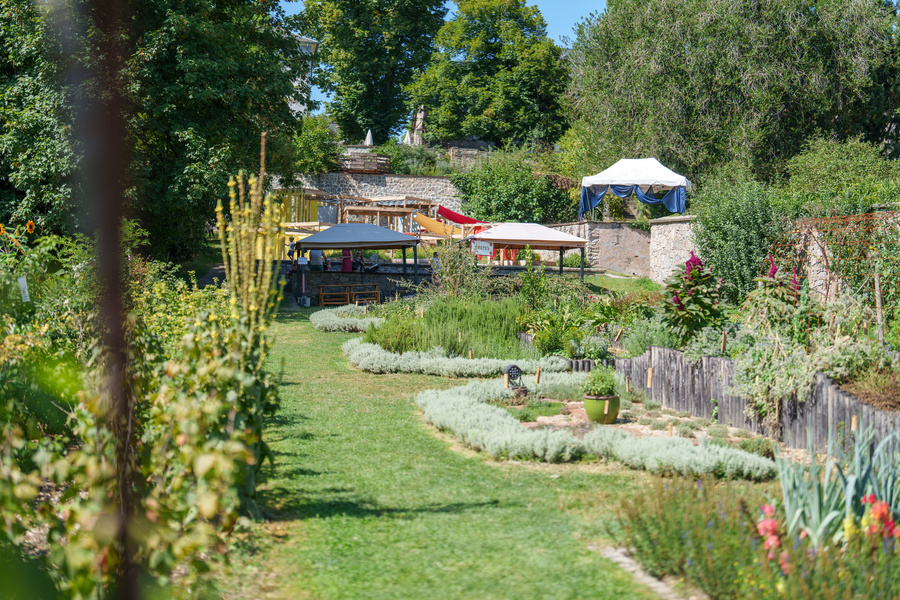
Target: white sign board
point(482, 248)
point(302, 261)
point(23, 287)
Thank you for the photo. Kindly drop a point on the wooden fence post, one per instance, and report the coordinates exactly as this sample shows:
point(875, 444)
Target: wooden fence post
point(506, 380)
point(879, 315)
point(537, 376)
point(628, 384)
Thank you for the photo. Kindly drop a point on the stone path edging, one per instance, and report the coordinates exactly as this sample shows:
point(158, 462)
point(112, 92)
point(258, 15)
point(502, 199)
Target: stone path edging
point(629, 565)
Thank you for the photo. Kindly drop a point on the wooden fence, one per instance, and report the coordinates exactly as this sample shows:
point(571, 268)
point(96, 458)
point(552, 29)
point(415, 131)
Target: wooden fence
point(701, 388)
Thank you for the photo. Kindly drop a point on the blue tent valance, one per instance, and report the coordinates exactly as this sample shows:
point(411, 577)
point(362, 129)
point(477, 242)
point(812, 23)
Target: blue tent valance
point(675, 200)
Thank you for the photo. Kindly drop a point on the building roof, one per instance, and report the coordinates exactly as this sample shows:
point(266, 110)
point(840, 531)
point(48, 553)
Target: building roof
point(357, 235)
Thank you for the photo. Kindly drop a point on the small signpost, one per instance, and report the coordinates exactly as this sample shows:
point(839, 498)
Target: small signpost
point(482, 248)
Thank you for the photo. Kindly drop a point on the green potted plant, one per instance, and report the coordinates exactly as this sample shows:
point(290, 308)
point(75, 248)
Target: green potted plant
point(600, 401)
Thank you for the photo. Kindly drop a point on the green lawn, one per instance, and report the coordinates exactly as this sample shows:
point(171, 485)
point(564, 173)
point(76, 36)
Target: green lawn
point(366, 501)
point(210, 254)
point(620, 285)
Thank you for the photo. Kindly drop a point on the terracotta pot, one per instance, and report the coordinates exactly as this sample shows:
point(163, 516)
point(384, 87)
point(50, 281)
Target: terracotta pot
point(602, 409)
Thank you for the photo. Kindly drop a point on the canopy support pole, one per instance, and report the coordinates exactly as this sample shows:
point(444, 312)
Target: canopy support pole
point(404, 259)
point(416, 264)
point(561, 252)
point(581, 274)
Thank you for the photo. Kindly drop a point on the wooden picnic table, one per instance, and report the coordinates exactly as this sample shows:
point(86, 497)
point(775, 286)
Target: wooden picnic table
point(349, 293)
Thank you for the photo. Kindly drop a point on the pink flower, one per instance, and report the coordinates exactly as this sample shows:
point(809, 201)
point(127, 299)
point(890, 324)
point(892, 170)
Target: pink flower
point(767, 527)
point(768, 510)
point(785, 566)
point(772, 542)
point(677, 301)
point(691, 263)
point(803, 534)
point(773, 269)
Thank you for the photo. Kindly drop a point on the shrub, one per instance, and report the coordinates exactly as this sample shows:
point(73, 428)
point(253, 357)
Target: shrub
point(316, 146)
point(650, 332)
point(374, 358)
point(394, 335)
point(760, 446)
point(601, 381)
point(696, 530)
point(692, 300)
point(503, 188)
point(571, 260)
point(344, 318)
point(415, 160)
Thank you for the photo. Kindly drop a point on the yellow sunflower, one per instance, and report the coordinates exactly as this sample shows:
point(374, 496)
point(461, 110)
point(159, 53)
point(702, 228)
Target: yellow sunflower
point(29, 227)
point(2, 230)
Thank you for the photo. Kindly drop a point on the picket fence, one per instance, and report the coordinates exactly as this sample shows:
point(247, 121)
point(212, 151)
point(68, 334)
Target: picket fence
point(701, 388)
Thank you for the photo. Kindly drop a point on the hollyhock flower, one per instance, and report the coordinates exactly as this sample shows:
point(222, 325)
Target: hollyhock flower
point(768, 510)
point(767, 527)
point(785, 566)
point(880, 510)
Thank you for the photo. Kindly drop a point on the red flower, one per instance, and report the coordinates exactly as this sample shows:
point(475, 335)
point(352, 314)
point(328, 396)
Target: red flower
point(773, 269)
point(768, 510)
point(677, 301)
point(767, 528)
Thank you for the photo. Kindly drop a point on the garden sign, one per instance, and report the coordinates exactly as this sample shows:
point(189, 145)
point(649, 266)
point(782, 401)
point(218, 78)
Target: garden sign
point(482, 248)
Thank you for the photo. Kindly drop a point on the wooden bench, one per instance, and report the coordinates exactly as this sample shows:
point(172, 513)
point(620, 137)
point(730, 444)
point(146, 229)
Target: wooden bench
point(349, 293)
point(333, 294)
point(364, 296)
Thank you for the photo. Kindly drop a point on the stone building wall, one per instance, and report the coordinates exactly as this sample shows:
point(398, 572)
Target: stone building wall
point(611, 246)
point(370, 185)
point(671, 243)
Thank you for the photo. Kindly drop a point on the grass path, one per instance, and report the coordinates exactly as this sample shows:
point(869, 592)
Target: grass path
point(366, 501)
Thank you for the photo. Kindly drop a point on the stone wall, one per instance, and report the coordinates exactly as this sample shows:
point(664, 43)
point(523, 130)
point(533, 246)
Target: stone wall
point(611, 246)
point(368, 185)
point(671, 243)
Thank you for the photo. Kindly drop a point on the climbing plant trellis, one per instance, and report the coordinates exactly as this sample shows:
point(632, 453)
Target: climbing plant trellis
point(857, 255)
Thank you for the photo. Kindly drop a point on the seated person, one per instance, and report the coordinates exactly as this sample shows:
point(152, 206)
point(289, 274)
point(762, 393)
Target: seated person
point(326, 262)
point(359, 263)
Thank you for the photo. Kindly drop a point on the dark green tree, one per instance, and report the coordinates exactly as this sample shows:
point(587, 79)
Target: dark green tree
point(495, 76)
point(206, 78)
point(698, 83)
point(370, 50)
point(38, 154)
point(504, 187)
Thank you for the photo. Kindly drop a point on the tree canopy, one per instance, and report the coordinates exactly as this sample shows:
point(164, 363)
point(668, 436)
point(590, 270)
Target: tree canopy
point(38, 153)
point(203, 78)
point(698, 83)
point(370, 49)
point(494, 75)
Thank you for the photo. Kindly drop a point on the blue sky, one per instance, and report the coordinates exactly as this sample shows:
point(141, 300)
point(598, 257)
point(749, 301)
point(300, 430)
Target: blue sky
point(561, 17)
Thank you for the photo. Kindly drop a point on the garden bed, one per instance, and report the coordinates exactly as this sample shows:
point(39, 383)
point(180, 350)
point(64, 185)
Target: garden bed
point(640, 422)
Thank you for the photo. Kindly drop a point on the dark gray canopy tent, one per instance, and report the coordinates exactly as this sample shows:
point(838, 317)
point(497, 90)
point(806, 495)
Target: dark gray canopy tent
point(363, 235)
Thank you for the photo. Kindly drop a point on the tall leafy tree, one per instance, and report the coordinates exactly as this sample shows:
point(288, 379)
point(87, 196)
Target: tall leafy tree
point(38, 153)
point(370, 50)
point(697, 83)
point(494, 75)
point(206, 77)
